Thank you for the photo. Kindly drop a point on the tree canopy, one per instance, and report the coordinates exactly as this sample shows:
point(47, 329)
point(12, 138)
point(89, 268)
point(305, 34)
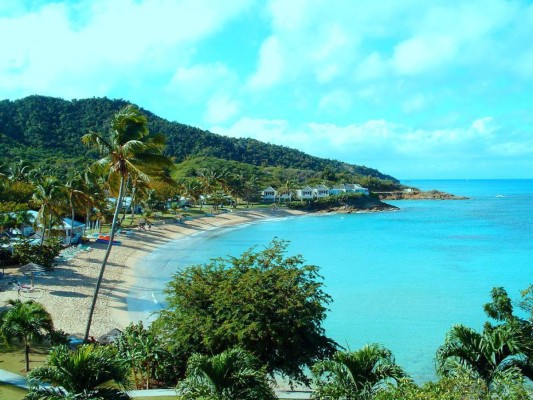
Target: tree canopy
point(262, 301)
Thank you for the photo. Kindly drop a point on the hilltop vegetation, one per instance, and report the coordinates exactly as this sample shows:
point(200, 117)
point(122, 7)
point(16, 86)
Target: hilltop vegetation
point(46, 130)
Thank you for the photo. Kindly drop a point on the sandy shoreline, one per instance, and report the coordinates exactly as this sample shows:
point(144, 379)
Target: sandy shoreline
point(67, 291)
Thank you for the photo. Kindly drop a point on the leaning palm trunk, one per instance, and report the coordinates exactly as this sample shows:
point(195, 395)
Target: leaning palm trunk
point(132, 205)
point(104, 262)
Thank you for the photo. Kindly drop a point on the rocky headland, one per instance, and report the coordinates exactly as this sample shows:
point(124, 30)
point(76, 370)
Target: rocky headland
point(415, 194)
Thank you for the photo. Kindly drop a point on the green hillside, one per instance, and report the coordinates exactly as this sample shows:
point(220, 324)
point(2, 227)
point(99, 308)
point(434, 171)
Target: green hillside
point(41, 128)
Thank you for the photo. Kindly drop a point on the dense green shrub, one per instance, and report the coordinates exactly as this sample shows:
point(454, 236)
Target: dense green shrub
point(25, 252)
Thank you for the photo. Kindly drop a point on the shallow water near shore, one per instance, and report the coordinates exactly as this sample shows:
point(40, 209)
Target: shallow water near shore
point(398, 278)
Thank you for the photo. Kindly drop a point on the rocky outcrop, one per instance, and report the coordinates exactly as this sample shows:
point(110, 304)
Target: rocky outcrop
point(419, 195)
point(346, 204)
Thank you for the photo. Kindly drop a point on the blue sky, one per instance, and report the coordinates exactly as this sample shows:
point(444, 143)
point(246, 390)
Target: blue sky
point(417, 89)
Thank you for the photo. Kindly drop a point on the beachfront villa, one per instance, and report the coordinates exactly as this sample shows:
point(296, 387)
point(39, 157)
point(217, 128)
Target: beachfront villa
point(306, 193)
point(65, 228)
point(270, 195)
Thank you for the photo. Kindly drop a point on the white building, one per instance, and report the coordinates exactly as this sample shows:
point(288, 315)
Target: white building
point(305, 193)
point(320, 191)
point(269, 194)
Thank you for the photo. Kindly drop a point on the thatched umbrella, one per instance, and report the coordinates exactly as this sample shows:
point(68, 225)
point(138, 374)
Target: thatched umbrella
point(32, 269)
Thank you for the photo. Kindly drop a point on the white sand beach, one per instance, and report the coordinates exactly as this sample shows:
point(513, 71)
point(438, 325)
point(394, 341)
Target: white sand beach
point(67, 291)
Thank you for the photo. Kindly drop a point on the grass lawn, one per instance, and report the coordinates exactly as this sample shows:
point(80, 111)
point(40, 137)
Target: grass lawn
point(11, 392)
point(12, 359)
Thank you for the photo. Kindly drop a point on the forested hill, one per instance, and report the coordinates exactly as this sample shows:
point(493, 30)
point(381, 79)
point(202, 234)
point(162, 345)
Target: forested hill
point(39, 127)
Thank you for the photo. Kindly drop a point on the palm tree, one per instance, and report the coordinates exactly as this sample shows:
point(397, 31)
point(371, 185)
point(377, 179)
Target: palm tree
point(127, 151)
point(19, 171)
point(233, 374)
point(75, 193)
point(79, 374)
point(6, 222)
point(488, 355)
point(23, 218)
point(193, 190)
point(95, 189)
point(48, 196)
point(28, 322)
point(139, 189)
point(355, 375)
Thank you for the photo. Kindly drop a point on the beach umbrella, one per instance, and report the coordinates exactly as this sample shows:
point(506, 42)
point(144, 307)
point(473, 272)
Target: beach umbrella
point(32, 269)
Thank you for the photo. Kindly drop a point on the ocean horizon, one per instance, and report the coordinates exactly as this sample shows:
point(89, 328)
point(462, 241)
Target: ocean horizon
point(401, 278)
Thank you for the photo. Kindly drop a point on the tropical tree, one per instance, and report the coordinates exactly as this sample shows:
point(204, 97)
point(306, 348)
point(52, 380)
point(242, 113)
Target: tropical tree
point(143, 352)
point(193, 190)
point(233, 374)
point(489, 355)
point(139, 190)
point(7, 221)
point(268, 303)
point(20, 170)
point(76, 197)
point(28, 322)
point(80, 374)
point(22, 218)
point(461, 386)
point(128, 150)
point(95, 188)
point(355, 375)
point(48, 196)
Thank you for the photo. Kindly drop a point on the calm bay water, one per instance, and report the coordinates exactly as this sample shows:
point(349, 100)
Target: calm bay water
point(398, 278)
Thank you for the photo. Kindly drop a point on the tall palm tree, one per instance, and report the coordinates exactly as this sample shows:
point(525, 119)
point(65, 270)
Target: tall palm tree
point(488, 355)
point(79, 374)
point(76, 197)
point(29, 322)
point(355, 375)
point(233, 374)
point(193, 190)
point(48, 196)
point(139, 190)
point(128, 150)
point(95, 188)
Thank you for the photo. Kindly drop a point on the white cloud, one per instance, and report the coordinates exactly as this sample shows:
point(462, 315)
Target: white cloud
point(198, 81)
point(220, 108)
point(51, 51)
point(395, 148)
point(421, 54)
point(336, 100)
point(372, 67)
point(414, 103)
point(270, 68)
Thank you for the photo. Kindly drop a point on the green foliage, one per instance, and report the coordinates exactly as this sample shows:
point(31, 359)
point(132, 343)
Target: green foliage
point(16, 192)
point(47, 131)
point(355, 375)
point(10, 206)
point(462, 386)
point(262, 301)
point(28, 322)
point(79, 374)
point(128, 151)
point(233, 374)
point(495, 353)
point(25, 252)
point(152, 365)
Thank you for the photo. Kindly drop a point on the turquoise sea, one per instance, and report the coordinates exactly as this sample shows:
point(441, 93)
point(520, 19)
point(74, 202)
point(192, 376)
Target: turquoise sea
point(398, 278)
